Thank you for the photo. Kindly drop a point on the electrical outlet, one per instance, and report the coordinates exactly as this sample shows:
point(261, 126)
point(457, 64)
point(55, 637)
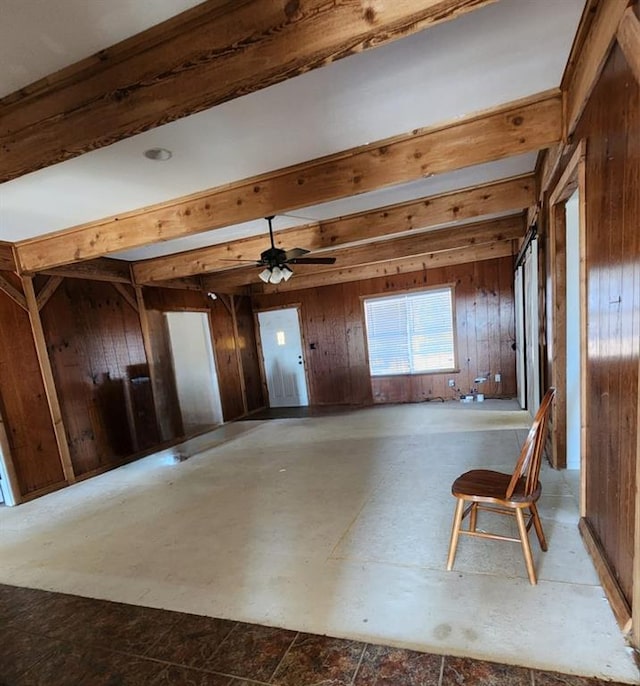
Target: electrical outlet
point(452, 383)
point(498, 378)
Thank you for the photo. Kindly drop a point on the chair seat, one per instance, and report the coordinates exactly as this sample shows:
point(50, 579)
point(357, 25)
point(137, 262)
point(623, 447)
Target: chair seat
point(484, 485)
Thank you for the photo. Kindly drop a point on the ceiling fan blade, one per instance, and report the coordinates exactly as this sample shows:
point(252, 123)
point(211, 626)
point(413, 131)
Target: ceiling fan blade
point(294, 253)
point(313, 260)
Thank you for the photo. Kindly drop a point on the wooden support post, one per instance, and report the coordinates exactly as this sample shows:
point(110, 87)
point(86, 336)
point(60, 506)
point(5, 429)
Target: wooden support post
point(148, 346)
point(47, 378)
point(9, 471)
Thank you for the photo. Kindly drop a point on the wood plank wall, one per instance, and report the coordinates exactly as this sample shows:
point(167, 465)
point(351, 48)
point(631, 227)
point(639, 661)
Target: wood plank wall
point(224, 344)
point(95, 344)
point(23, 403)
point(249, 354)
point(611, 125)
point(333, 320)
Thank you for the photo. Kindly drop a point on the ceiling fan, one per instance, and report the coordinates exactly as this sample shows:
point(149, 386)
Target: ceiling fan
point(276, 261)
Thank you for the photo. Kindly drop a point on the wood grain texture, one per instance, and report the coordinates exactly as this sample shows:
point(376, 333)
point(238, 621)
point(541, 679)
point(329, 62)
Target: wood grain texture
point(100, 269)
point(23, 404)
point(333, 320)
point(95, 343)
point(586, 65)
point(53, 400)
point(7, 263)
point(246, 343)
point(15, 293)
point(515, 128)
point(47, 290)
point(492, 198)
point(158, 348)
point(389, 268)
point(612, 253)
point(208, 55)
point(419, 244)
point(629, 39)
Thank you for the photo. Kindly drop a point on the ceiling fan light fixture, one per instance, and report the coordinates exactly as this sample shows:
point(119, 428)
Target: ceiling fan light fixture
point(276, 275)
point(286, 273)
point(265, 275)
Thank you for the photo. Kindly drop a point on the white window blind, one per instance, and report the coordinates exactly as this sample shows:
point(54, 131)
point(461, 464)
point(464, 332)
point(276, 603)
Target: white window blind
point(411, 333)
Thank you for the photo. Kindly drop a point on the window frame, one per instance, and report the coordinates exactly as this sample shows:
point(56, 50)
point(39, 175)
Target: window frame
point(408, 291)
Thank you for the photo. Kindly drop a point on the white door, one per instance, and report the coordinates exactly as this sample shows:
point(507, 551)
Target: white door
point(532, 324)
point(283, 358)
point(195, 370)
point(574, 326)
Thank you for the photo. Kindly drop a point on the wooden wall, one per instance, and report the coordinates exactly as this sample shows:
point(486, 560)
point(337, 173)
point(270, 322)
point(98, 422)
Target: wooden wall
point(333, 320)
point(249, 354)
point(95, 345)
point(23, 403)
point(611, 126)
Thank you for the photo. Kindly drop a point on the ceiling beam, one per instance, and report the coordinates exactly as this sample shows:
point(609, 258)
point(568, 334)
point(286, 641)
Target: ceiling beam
point(391, 268)
point(99, 269)
point(629, 38)
point(491, 198)
point(470, 235)
point(595, 37)
point(7, 263)
point(203, 57)
point(519, 127)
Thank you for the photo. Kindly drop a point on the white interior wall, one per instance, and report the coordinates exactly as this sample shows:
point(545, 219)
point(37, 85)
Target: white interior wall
point(195, 370)
point(573, 331)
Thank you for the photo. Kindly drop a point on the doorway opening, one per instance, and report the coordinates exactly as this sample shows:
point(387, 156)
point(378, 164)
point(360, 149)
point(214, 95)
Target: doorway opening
point(283, 358)
point(195, 370)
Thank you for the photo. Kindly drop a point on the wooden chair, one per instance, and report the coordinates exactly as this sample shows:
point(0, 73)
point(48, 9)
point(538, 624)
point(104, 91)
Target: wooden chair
point(509, 494)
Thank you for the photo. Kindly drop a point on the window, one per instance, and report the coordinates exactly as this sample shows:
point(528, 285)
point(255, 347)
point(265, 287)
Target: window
point(411, 333)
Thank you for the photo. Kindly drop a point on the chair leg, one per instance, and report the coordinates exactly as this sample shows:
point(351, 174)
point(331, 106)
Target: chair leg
point(473, 517)
point(526, 547)
point(538, 527)
point(455, 533)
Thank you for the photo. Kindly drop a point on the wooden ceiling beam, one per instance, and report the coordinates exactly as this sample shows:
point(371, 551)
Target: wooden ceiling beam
point(466, 236)
point(595, 37)
point(491, 198)
point(98, 269)
point(205, 56)
point(391, 268)
point(515, 128)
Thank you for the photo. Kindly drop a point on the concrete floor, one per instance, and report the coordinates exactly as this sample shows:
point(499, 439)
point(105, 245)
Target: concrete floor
point(334, 525)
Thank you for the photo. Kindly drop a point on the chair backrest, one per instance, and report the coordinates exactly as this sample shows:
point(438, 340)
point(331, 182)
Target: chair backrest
point(528, 464)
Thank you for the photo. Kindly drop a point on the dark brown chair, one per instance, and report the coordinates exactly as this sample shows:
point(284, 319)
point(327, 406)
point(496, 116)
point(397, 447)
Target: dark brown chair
point(508, 494)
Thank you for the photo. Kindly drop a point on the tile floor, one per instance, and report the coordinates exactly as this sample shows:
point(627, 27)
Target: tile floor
point(52, 639)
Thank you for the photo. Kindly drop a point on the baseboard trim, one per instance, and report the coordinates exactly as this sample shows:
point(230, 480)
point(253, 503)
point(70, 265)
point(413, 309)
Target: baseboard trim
point(616, 598)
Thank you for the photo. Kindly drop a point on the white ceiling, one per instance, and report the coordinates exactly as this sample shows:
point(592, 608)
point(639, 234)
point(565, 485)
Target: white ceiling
point(505, 51)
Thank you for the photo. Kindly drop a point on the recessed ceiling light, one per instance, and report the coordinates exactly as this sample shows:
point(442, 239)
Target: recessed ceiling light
point(158, 154)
